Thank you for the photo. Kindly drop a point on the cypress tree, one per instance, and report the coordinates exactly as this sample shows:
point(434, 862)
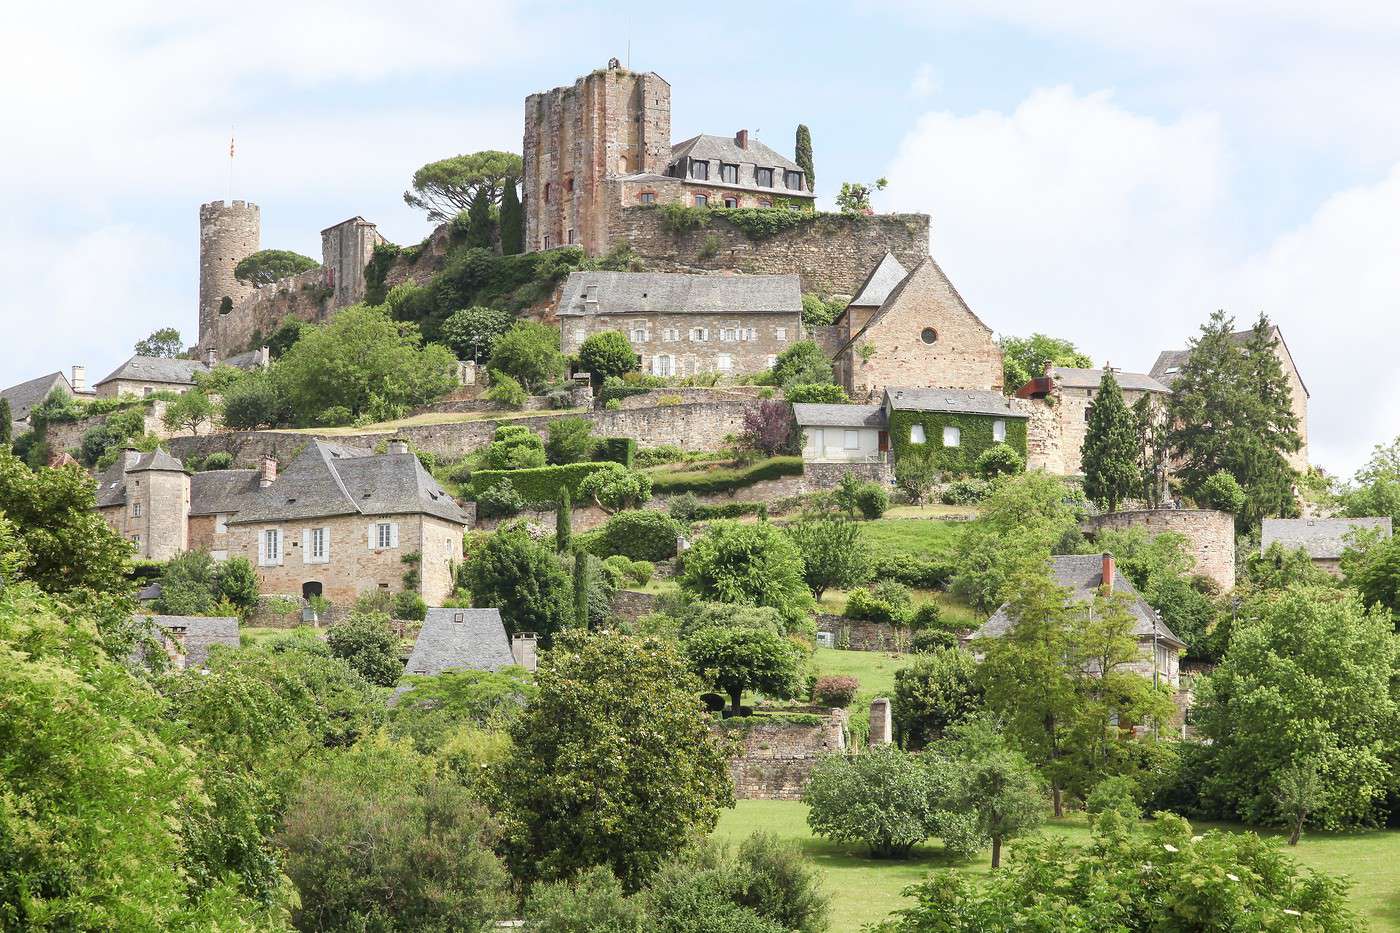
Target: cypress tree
point(479, 223)
point(581, 581)
point(802, 155)
point(6, 426)
point(563, 521)
point(512, 221)
point(1111, 471)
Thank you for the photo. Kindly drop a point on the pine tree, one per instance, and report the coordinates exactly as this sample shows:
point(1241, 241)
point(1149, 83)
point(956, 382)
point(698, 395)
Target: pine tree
point(1111, 471)
point(563, 521)
point(6, 426)
point(512, 221)
point(581, 583)
point(802, 155)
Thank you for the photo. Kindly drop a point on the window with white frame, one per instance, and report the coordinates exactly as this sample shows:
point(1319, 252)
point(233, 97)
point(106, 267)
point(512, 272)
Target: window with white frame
point(770, 360)
point(852, 440)
point(728, 334)
point(782, 334)
point(270, 547)
point(135, 510)
point(316, 545)
point(661, 364)
point(952, 436)
point(700, 334)
point(998, 431)
point(916, 434)
point(386, 535)
point(724, 362)
point(638, 334)
point(136, 540)
point(671, 334)
point(221, 523)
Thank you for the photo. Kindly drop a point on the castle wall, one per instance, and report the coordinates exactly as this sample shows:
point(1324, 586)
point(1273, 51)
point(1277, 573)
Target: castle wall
point(228, 234)
point(346, 249)
point(1211, 536)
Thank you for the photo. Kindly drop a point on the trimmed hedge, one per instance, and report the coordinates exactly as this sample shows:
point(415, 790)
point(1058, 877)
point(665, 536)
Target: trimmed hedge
point(536, 484)
point(609, 393)
point(725, 480)
point(617, 449)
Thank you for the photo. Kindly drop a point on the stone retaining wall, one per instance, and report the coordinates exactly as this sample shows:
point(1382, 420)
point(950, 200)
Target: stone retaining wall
point(860, 635)
point(631, 606)
point(775, 759)
point(817, 475)
point(1211, 535)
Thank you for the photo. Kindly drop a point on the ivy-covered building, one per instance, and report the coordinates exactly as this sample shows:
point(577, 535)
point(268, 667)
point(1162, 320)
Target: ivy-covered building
point(952, 426)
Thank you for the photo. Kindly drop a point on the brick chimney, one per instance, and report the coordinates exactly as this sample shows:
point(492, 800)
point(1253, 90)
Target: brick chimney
point(264, 356)
point(741, 139)
point(1110, 571)
point(398, 446)
point(524, 648)
point(267, 473)
point(211, 357)
point(79, 380)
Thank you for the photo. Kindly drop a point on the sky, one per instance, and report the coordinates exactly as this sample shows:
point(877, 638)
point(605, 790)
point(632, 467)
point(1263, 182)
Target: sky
point(1106, 172)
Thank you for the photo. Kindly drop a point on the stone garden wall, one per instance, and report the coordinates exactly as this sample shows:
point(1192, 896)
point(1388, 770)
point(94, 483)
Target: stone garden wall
point(775, 759)
point(859, 635)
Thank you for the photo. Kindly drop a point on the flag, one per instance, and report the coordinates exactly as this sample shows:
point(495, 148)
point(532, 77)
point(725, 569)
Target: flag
point(230, 147)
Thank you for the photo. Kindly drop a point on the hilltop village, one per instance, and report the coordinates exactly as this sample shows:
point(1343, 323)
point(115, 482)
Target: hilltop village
point(638, 419)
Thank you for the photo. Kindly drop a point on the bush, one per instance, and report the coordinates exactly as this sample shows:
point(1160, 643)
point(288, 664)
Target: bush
point(872, 500)
point(1118, 794)
point(927, 616)
point(889, 601)
point(999, 460)
point(612, 404)
point(499, 501)
point(607, 353)
point(505, 390)
point(238, 584)
point(638, 534)
point(626, 571)
point(935, 693)
point(591, 902)
point(218, 460)
point(616, 487)
point(927, 641)
point(752, 565)
point(409, 605)
point(570, 441)
point(916, 474)
point(655, 456)
point(912, 571)
point(514, 447)
point(966, 491)
point(776, 881)
point(684, 507)
point(879, 798)
point(365, 642)
point(1221, 491)
point(616, 450)
point(538, 484)
point(823, 393)
point(833, 690)
point(712, 481)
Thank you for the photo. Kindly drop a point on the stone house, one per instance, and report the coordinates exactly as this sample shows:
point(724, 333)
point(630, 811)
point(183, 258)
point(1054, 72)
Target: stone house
point(143, 375)
point(952, 426)
point(188, 639)
point(463, 640)
point(913, 329)
point(840, 439)
point(1170, 362)
point(145, 498)
point(1069, 391)
point(27, 395)
point(683, 324)
point(1324, 539)
point(1086, 575)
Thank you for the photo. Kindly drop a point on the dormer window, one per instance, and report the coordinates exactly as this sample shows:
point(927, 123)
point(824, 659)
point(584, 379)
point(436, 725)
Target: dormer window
point(793, 180)
point(763, 177)
point(729, 173)
point(700, 170)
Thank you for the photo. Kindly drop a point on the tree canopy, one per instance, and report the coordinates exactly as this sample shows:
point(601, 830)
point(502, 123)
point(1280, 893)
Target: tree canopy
point(529, 353)
point(447, 187)
point(1025, 358)
point(1110, 448)
point(607, 353)
point(164, 343)
point(269, 265)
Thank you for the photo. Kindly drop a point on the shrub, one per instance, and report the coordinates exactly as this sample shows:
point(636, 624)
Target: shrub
point(927, 641)
point(872, 500)
point(590, 902)
point(238, 584)
point(684, 507)
point(638, 534)
point(365, 642)
point(514, 447)
point(612, 404)
point(538, 484)
point(912, 571)
point(879, 798)
point(616, 450)
point(1222, 491)
point(505, 390)
point(776, 881)
point(218, 460)
point(570, 441)
point(769, 428)
point(915, 474)
point(709, 482)
point(938, 691)
point(824, 393)
point(966, 492)
point(655, 456)
point(833, 690)
point(607, 353)
point(499, 501)
point(753, 565)
point(409, 605)
point(999, 460)
point(626, 571)
point(889, 601)
point(927, 616)
point(1118, 794)
point(615, 488)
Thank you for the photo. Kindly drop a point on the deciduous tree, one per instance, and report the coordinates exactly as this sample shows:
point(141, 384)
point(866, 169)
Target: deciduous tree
point(190, 412)
point(529, 353)
point(1025, 358)
point(524, 580)
point(735, 658)
point(607, 353)
point(268, 265)
point(163, 343)
point(752, 565)
point(471, 332)
point(832, 552)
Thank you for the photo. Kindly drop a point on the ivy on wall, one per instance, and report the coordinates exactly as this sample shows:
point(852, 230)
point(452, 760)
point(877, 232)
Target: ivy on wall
point(975, 437)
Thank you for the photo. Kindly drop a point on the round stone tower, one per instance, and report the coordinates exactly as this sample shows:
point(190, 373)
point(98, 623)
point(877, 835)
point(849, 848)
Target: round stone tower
point(228, 234)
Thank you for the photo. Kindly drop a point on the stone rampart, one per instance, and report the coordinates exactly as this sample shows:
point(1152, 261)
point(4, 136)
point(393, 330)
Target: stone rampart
point(775, 759)
point(1211, 536)
point(306, 295)
point(833, 253)
point(68, 435)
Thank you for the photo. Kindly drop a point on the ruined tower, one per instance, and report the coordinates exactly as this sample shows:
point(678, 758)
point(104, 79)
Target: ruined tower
point(610, 123)
point(228, 234)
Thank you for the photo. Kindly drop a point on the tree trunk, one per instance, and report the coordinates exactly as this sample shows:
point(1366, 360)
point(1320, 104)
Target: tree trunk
point(996, 851)
point(736, 698)
point(1058, 796)
point(1297, 830)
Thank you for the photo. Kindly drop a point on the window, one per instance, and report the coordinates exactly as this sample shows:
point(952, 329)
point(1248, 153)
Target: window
point(916, 434)
point(647, 197)
point(221, 523)
point(998, 431)
point(751, 334)
point(952, 436)
point(770, 361)
point(270, 548)
point(1086, 414)
point(546, 241)
point(765, 202)
point(384, 535)
point(729, 173)
point(661, 364)
point(670, 334)
point(700, 334)
point(728, 334)
point(928, 335)
point(724, 362)
point(147, 390)
point(638, 335)
point(569, 184)
point(700, 170)
point(763, 177)
point(852, 440)
point(315, 545)
point(792, 180)
point(781, 334)
point(701, 200)
point(136, 510)
point(571, 234)
point(731, 202)
point(547, 189)
point(136, 540)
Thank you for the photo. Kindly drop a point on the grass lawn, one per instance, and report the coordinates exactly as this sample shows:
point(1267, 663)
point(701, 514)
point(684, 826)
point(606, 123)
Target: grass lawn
point(917, 537)
point(252, 636)
point(874, 669)
point(866, 890)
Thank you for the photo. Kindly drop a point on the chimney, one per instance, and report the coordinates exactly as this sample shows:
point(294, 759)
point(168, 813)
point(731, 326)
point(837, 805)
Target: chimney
point(741, 139)
point(79, 380)
point(267, 474)
point(1049, 369)
point(264, 357)
point(211, 357)
point(1109, 572)
point(398, 446)
point(522, 648)
point(129, 457)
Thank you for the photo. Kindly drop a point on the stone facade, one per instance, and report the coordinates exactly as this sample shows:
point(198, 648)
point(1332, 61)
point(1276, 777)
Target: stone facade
point(732, 344)
point(153, 517)
point(1211, 536)
point(346, 249)
point(775, 759)
point(924, 335)
point(1045, 449)
point(228, 234)
point(819, 475)
point(862, 635)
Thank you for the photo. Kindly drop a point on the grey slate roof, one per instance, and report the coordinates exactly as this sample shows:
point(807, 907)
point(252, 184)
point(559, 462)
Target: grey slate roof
point(839, 416)
point(221, 491)
point(111, 482)
point(200, 633)
point(960, 401)
point(25, 396)
point(1322, 538)
point(157, 369)
point(1169, 362)
point(1090, 378)
point(249, 360)
point(328, 480)
point(1082, 575)
point(725, 149)
point(883, 279)
point(680, 293)
point(478, 642)
point(158, 460)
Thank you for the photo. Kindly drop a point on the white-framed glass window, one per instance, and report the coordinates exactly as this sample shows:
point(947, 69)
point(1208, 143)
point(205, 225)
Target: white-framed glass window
point(316, 545)
point(270, 547)
point(135, 510)
point(671, 334)
point(724, 362)
point(750, 334)
point(661, 364)
point(852, 440)
point(384, 535)
point(728, 334)
point(782, 334)
point(770, 361)
point(952, 436)
point(700, 334)
point(638, 334)
point(998, 431)
point(221, 523)
point(136, 540)
point(916, 434)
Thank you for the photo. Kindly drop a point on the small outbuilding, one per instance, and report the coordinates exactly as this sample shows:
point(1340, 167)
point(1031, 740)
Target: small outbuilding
point(187, 640)
point(460, 640)
point(1324, 539)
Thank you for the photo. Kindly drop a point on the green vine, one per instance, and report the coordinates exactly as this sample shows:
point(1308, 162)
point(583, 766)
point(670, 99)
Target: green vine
point(412, 576)
point(377, 270)
point(679, 218)
point(975, 436)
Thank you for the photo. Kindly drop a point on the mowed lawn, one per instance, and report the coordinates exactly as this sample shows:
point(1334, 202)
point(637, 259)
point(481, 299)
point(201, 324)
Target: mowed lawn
point(866, 890)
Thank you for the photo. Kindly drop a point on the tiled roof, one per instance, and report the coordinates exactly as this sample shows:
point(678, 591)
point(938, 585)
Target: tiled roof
point(1090, 378)
point(328, 480)
point(1082, 575)
point(157, 460)
point(460, 639)
point(111, 482)
point(839, 416)
point(221, 491)
point(200, 633)
point(157, 369)
point(1322, 538)
point(1170, 362)
point(25, 396)
point(961, 401)
point(878, 284)
point(680, 293)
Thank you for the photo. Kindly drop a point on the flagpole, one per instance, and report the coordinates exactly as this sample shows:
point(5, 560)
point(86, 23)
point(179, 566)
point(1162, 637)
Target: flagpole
point(230, 164)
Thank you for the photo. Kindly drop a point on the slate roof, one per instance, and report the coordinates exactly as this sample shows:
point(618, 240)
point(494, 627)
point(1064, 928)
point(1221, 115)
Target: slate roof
point(1322, 538)
point(839, 416)
point(249, 360)
point(725, 149)
point(328, 480)
point(1076, 378)
point(221, 491)
point(892, 299)
point(201, 633)
point(478, 642)
point(111, 482)
point(1169, 362)
point(1082, 575)
point(878, 284)
point(680, 293)
point(25, 396)
point(157, 369)
point(158, 460)
point(960, 401)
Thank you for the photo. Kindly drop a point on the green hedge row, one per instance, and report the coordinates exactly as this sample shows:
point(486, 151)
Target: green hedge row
point(608, 393)
point(536, 484)
point(617, 449)
point(725, 479)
